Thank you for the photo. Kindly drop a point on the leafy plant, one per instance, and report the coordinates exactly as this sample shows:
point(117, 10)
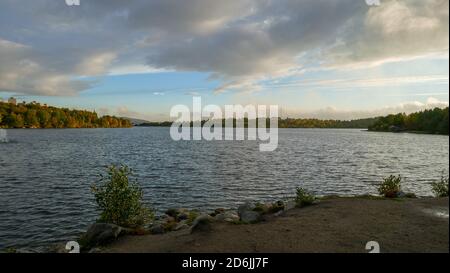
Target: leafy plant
point(304, 198)
point(440, 188)
point(260, 207)
point(120, 200)
point(10, 250)
point(391, 186)
point(193, 214)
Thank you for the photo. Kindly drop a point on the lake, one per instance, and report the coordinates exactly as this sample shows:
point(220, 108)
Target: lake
point(45, 175)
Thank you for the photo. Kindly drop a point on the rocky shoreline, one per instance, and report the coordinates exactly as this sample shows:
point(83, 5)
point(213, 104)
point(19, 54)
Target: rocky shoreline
point(191, 223)
point(332, 224)
point(177, 219)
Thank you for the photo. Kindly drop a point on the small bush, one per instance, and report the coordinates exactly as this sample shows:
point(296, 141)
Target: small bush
point(304, 198)
point(391, 186)
point(193, 214)
point(261, 208)
point(10, 250)
point(120, 200)
point(440, 188)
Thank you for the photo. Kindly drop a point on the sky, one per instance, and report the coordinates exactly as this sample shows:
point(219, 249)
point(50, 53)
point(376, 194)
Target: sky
point(340, 59)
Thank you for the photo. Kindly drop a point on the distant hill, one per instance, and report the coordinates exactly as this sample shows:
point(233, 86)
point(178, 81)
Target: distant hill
point(135, 121)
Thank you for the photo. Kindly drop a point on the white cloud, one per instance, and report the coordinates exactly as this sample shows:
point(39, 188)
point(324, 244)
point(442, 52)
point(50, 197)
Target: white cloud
point(21, 71)
point(336, 113)
point(96, 64)
point(359, 83)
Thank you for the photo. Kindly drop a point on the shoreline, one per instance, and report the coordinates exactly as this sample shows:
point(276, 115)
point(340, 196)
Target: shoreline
point(338, 224)
point(334, 224)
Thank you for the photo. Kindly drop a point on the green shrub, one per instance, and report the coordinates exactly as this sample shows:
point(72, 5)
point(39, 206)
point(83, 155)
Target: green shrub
point(266, 208)
point(10, 250)
point(440, 188)
point(120, 200)
point(260, 207)
point(193, 214)
point(304, 198)
point(391, 186)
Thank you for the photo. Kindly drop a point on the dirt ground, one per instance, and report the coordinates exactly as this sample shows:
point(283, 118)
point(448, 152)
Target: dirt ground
point(332, 225)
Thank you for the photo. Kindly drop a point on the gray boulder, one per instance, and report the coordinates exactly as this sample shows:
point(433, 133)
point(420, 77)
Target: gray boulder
point(278, 213)
point(157, 228)
point(227, 216)
point(249, 216)
point(401, 194)
point(181, 225)
point(100, 234)
point(245, 207)
point(202, 223)
point(95, 250)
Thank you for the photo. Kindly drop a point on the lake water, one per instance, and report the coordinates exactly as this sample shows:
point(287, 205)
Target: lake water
point(45, 175)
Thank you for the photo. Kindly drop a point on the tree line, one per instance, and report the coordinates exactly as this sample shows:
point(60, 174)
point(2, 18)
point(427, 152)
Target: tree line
point(433, 121)
point(291, 123)
point(35, 115)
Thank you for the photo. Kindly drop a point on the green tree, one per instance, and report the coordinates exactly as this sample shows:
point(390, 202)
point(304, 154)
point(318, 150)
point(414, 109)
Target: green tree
point(120, 200)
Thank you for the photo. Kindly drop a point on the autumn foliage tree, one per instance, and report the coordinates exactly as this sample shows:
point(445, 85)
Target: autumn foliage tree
point(35, 115)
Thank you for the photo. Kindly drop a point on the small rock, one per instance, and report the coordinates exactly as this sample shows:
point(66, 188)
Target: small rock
point(181, 225)
point(250, 217)
point(170, 219)
point(217, 212)
point(227, 216)
point(278, 213)
point(57, 248)
point(202, 223)
point(95, 250)
point(245, 207)
point(157, 229)
point(401, 194)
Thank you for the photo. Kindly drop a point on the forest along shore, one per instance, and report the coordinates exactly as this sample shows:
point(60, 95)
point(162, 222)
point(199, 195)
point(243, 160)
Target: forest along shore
point(333, 224)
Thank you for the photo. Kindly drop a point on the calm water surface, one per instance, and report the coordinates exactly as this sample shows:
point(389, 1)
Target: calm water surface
point(45, 175)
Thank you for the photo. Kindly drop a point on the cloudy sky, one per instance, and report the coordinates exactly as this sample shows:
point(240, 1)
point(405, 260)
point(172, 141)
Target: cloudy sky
point(314, 58)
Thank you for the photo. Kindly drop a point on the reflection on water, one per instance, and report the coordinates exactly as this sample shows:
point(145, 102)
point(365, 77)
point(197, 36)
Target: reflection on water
point(45, 174)
point(3, 136)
